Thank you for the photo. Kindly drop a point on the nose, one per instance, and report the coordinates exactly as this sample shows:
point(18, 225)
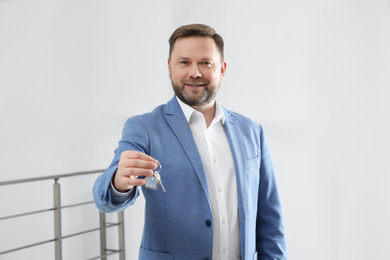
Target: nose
point(194, 71)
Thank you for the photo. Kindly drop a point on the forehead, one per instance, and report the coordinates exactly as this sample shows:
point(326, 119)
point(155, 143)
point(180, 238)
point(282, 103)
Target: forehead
point(195, 46)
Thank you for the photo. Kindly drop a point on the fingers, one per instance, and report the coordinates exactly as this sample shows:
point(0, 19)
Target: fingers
point(133, 155)
point(123, 183)
point(131, 165)
point(138, 182)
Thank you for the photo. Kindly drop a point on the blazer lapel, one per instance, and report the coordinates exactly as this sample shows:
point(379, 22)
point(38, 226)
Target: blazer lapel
point(180, 127)
point(236, 146)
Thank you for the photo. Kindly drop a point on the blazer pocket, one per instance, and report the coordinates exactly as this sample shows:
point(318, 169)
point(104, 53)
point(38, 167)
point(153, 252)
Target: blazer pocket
point(252, 162)
point(145, 254)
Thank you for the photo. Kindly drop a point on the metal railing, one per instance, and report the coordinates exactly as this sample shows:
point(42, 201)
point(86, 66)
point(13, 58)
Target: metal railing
point(57, 207)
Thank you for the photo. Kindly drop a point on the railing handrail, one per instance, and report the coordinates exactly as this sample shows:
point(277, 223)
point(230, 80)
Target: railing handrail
point(58, 237)
point(50, 177)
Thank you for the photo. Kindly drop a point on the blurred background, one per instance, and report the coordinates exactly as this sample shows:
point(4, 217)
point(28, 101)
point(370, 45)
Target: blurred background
point(313, 73)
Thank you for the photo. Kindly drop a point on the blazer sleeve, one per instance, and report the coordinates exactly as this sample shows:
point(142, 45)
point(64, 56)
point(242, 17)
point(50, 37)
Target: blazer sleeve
point(270, 232)
point(134, 138)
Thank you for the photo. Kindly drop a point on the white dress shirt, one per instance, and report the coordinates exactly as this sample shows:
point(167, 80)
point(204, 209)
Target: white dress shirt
point(217, 158)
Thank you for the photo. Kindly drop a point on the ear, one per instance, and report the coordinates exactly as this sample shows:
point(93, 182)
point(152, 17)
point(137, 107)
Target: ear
point(223, 69)
point(169, 68)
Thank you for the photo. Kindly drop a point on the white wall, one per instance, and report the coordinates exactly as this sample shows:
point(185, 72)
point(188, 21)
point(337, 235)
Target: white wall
point(313, 73)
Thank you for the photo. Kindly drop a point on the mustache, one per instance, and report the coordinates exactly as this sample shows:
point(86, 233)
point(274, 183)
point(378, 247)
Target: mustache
point(196, 82)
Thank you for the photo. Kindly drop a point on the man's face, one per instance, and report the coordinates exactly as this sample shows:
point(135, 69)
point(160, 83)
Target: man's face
point(196, 70)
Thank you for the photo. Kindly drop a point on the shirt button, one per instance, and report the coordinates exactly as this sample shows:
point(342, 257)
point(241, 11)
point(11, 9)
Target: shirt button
point(223, 220)
point(224, 251)
point(215, 160)
point(208, 222)
point(219, 189)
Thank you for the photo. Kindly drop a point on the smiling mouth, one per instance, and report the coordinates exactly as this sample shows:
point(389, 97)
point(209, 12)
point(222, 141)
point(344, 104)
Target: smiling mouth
point(195, 85)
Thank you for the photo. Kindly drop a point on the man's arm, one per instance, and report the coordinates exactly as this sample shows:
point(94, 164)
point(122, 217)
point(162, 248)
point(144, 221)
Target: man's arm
point(130, 161)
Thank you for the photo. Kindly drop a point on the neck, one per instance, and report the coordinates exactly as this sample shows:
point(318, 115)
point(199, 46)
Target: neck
point(208, 111)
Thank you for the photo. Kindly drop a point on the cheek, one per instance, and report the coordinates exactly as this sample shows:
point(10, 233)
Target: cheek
point(207, 73)
point(213, 76)
point(177, 74)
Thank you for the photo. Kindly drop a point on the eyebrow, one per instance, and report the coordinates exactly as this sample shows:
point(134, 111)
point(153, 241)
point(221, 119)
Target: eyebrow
point(186, 58)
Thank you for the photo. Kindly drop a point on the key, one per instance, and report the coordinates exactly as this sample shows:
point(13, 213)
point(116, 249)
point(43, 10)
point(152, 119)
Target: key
point(158, 178)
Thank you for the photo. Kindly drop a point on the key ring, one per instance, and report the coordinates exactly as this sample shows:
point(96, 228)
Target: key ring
point(159, 170)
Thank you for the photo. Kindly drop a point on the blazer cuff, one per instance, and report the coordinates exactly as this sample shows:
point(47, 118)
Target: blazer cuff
point(118, 197)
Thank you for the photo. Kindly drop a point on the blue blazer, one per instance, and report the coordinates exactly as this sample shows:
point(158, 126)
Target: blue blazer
point(178, 223)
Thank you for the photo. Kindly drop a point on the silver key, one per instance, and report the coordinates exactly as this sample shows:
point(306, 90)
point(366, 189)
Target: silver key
point(158, 178)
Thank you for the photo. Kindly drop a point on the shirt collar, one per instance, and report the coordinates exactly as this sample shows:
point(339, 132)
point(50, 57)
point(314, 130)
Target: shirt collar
point(188, 111)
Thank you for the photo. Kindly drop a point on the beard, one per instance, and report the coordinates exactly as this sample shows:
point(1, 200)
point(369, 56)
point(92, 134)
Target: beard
point(194, 97)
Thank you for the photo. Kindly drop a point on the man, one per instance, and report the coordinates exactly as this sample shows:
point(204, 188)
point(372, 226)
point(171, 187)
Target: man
point(221, 199)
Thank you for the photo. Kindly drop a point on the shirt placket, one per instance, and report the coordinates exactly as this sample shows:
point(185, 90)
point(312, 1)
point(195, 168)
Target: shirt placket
point(202, 133)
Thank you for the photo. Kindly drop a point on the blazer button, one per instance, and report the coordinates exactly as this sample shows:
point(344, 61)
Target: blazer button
point(208, 222)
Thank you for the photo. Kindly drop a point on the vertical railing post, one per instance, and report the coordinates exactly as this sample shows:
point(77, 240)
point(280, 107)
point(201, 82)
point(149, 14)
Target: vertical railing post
point(57, 220)
point(121, 234)
point(103, 235)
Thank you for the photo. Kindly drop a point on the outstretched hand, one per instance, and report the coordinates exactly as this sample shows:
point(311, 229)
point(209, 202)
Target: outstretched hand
point(131, 165)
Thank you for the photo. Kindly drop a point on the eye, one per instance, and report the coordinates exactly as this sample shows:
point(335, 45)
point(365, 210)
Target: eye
point(183, 62)
point(206, 63)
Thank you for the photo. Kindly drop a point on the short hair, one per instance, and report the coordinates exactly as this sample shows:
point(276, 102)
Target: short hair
point(201, 30)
